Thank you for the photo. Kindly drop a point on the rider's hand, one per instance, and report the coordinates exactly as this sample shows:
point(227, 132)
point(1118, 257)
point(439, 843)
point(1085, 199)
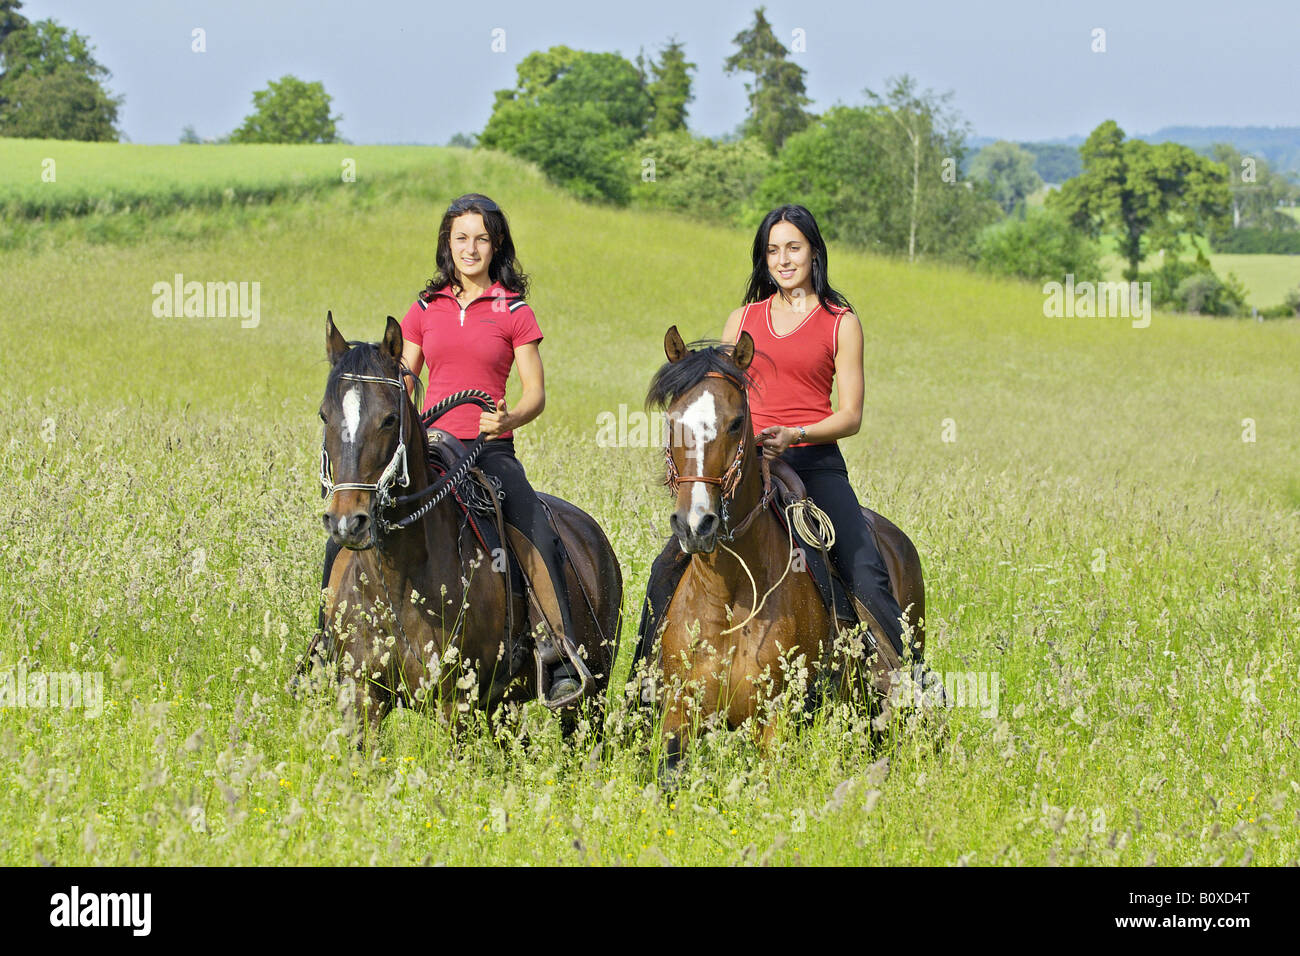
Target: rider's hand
point(495, 424)
point(777, 438)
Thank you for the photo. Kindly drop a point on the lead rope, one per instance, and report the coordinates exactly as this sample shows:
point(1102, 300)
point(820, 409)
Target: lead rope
point(804, 514)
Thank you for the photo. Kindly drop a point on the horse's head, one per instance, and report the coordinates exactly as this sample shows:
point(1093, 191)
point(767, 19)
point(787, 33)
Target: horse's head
point(367, 421)
point(703, 393)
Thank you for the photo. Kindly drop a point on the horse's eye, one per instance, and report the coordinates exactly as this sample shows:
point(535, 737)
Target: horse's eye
point(389, 421)
point(734, 427)
point(324, 419)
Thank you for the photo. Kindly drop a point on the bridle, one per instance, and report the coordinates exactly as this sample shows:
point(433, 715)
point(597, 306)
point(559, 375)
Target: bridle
point(729, 480)
point(397, 471)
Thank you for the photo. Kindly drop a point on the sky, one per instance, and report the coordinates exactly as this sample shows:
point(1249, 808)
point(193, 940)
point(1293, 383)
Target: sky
point(405, 71)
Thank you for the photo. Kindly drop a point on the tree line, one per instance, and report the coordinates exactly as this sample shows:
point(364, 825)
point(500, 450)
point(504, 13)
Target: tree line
point(892, 174)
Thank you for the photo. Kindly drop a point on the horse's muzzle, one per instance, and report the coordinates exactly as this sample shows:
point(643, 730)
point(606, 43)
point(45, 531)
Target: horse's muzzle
point(355, 531)
point(701, 539)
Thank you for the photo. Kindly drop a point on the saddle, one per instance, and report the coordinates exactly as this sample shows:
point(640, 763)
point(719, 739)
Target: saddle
point(837, 600)
point(479, 499)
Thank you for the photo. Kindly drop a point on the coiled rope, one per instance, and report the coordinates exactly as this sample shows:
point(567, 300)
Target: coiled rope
point(814, 526)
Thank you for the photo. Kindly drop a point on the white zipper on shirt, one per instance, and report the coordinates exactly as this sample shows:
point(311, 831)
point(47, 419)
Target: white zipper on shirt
point(466, 306)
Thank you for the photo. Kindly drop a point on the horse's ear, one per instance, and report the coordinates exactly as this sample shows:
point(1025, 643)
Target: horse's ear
point(743, 353)
point(393, 339)
point(674, 347)
point(335, 343)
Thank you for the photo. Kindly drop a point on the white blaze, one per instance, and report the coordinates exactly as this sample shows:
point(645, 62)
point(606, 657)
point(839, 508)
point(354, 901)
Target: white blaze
point(351, 413)
point(699, 427)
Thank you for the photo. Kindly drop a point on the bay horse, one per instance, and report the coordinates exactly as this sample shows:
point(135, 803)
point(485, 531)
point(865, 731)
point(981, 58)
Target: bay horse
point(414, 610)
point(738, 610)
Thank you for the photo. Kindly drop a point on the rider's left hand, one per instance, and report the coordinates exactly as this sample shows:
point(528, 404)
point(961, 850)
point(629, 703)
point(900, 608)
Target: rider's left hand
point(776, 438)
point(495, 424)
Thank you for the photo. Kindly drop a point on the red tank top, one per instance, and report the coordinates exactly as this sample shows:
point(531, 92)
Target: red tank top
point(792, 373)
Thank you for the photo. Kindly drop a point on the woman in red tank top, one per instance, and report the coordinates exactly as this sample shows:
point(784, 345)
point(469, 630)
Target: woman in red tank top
point(806, 339)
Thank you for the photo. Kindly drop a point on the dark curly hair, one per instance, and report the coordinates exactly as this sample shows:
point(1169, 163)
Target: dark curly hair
point(504, 267)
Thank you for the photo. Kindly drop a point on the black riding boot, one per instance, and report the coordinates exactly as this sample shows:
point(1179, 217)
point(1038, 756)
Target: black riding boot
point(565, 680)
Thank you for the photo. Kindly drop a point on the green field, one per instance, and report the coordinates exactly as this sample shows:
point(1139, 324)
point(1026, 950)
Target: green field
point(1099, 536)
point(50, 178)
point(1267, 278)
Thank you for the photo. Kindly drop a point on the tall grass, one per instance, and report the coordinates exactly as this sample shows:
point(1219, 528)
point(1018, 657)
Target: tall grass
point(1098, 535)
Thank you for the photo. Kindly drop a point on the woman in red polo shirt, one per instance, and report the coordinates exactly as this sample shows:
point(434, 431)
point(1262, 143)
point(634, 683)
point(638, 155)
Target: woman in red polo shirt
point(469, 325)
point(806, 338)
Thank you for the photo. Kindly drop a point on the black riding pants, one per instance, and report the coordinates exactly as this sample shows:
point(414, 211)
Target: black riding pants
point(855, 554)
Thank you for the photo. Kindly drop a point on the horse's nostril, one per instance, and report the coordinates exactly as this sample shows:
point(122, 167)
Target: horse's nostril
point(707, 524)
point(675, 523)
point(359, 522)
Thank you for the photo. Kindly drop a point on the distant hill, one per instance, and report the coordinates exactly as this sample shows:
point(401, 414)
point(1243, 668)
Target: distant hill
point(1279, 145)
point(1058, 159)
point(1055, 160)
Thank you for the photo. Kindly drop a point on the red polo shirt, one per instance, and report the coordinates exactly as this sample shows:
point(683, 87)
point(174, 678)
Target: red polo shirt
point(473, 347)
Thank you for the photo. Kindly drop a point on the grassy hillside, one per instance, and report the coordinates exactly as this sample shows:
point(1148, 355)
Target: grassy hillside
point(1099, 536)
point(50, 178)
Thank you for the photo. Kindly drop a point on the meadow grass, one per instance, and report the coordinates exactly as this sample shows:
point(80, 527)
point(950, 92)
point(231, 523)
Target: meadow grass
point(1098, 535)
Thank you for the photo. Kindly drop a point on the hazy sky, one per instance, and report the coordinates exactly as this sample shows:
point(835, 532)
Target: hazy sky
point(408, 71)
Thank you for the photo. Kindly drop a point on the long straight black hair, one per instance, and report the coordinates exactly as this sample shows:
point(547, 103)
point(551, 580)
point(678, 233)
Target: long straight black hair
point(504, 267)
point(761, 283)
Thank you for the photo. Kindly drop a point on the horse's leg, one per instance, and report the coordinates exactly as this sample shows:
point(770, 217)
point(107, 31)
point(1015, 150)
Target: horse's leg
point(680, 691)
point(674, 736)
point(364, 705)
point(906, 581)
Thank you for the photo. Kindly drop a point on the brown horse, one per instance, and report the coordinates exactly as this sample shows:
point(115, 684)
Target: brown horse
point(726, 633)
point(415, 611)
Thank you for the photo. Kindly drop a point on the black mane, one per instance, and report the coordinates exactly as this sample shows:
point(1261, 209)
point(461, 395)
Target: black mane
point(675, 379)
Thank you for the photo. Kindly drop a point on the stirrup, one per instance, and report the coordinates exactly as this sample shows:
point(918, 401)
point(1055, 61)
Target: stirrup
point(550, 649)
